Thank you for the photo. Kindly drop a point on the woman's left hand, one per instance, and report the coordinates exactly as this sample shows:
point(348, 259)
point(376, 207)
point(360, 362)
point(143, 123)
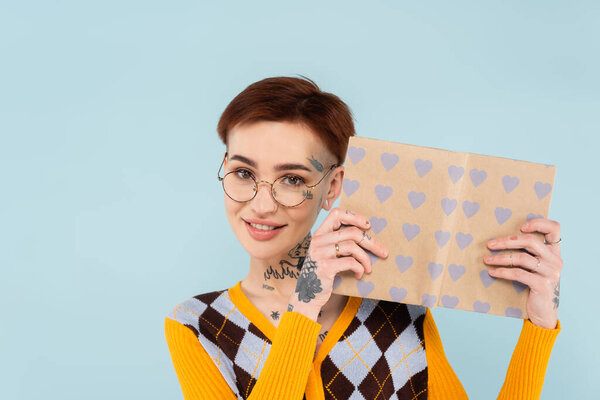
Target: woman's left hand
point(540, 268)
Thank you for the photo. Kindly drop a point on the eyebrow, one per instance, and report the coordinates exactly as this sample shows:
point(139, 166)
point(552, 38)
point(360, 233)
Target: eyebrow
point(278, 167)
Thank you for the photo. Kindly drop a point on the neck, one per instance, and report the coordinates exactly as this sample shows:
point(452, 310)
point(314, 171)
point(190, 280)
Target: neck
point(277, 277)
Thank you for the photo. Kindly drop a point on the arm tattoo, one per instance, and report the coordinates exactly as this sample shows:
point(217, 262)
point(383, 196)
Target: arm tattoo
point(309, 283)
point(556, 298)
point(322, 335)
point(315, 163)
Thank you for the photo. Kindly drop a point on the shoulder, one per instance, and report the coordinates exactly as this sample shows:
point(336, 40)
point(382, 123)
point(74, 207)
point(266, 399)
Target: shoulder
point(201, 309)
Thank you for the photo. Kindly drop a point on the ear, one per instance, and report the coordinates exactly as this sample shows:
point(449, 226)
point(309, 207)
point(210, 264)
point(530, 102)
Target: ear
point(335, 188)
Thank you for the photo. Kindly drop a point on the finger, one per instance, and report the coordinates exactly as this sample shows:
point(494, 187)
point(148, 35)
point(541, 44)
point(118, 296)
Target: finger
point(350, 248)
point(532, 280)
point(365, 239)
point(337, 217)
point(347, 264)
point(527, 241)
point(550, 229)
point(519, 259)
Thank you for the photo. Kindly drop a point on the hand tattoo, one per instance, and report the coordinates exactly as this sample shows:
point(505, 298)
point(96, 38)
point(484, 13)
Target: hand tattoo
point(308, 283)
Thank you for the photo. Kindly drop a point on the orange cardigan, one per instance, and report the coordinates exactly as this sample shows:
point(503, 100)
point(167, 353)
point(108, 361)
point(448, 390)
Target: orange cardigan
point(281, 376)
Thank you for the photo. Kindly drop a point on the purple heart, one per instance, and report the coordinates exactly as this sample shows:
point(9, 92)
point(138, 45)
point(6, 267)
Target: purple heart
point(428, 300)
point(456, 271)
point(513, 312)
point(531, 216)
point(383, 192)
point(542, 189)
point(502, 214)
point(519, 287)
point(463, 239)
point(336, 281)
point(410, 231)
point(364, 288)
point(397, 294)
point(416, 198)
point(389, 160)
point(356, 154)
point(434, 270)
point(350, 186)
point(470, 208)
point(510, 183)
point(481, 307)
point(372, 256)
point(448, 205)
point(423, 167)
point(486, 278)
point(493, 251)
point(449, 301)
point(477, 176)
point(442, 237)
point(455, 173)
point(377, 224)
point(403, 263)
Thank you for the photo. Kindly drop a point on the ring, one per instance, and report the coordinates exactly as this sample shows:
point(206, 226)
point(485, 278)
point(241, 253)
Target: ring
point(547, 242)
point(337, 251)
point(537, 268)
point(511, 264)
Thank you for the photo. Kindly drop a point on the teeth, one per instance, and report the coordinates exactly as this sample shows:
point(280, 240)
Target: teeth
point(263, 227)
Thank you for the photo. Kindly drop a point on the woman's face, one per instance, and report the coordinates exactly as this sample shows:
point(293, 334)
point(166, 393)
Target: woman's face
point(260, 147)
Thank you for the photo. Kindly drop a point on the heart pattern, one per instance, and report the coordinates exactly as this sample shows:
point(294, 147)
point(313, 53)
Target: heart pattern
point(386, 193)
point(397, 294)
point(477, 176)
point(509, 183)
point(455, 173)
point(410, 231)
point(389, 160)
point(403, 262)
point(470, 208)
point(423, 167)
point(377, 224)
point(416, 199)
point(350, 186)
point(448, 205)
point(356, 154)
point(383, 192)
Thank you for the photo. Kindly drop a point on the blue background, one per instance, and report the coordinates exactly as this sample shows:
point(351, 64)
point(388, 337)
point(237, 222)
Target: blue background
point(111, 213)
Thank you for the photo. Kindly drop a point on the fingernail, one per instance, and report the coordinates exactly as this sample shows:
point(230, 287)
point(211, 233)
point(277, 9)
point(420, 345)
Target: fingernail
point(367, 222)
point(492, 242)
point(525, 226)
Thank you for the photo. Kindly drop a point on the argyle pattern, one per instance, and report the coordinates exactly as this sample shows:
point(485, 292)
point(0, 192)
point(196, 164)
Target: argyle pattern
point(381, 355)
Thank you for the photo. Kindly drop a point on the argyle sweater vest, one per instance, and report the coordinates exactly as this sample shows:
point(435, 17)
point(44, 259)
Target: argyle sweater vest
point(380, 355)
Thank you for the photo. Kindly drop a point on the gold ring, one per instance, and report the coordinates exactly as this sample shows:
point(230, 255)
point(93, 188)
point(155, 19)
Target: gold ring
point(337, 251)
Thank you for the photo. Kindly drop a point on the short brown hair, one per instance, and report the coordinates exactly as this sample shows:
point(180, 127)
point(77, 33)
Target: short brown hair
point(294, 100)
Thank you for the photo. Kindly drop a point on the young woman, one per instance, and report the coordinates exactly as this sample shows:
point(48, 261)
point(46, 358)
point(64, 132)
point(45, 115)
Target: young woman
point(280, 333)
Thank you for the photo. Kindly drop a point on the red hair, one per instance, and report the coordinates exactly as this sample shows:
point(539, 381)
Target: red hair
point(288, 99)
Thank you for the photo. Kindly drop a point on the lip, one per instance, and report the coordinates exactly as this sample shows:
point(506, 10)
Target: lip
point(262, 235)
point(262, 222)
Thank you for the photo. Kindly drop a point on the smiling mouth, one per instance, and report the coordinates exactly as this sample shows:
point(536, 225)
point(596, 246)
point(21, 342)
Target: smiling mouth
point(264, 227)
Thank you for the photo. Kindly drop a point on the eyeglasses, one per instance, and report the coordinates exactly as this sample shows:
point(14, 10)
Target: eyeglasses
point(289, 190)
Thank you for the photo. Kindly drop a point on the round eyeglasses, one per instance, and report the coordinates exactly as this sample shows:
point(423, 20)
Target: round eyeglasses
point(289, 190)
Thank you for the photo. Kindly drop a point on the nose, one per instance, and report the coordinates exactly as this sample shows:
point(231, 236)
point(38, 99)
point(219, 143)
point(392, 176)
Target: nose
point(263, 202)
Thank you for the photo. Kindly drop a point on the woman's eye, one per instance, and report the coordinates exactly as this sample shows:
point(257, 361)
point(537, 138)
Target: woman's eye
point(293, 180)
point(244, 174)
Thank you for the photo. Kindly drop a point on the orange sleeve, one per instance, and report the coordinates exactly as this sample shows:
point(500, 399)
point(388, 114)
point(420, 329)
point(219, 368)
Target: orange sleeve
point(284, 375)
point(525, 374)
point(527, 368)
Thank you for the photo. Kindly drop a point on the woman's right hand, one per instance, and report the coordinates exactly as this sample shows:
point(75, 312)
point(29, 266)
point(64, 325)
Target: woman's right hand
point(315, 281)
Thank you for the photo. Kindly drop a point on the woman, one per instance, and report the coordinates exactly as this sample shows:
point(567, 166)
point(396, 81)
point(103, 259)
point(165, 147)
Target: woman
point(280, 333)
